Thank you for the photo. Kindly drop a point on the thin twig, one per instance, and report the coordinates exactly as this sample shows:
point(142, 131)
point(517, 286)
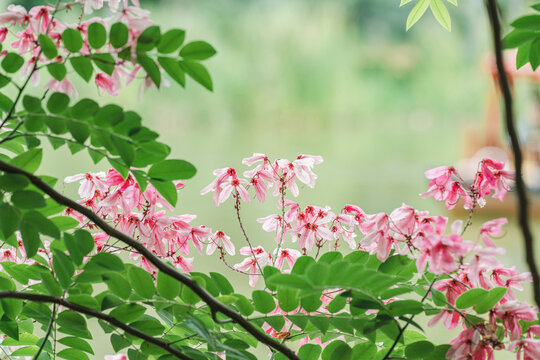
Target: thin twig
point(523, 206)
point(47, 334)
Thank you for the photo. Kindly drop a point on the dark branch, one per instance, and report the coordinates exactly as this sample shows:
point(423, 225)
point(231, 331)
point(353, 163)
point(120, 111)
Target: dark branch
point(214, 304)
point(99, 315)
point(523, 207)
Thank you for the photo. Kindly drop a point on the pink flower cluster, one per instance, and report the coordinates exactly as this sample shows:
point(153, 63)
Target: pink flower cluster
point(143, 216)
point(296, 230)
point(462, 264)
point(448, 186)
point(39, 20)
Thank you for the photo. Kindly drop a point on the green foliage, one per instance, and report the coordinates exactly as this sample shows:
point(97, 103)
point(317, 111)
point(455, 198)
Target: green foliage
point(526, 38)
point(438, 8)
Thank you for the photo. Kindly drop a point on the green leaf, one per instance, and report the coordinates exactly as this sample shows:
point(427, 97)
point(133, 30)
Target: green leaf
point(173, 69)
point(288, 299)
point(84, 109)
point(417, 12)
point(337, 350)
point(9, 219)
point(337, 304)
point(150, 67)
point(29, 160)
point(404, 2)
point(79, 245)
point(198, 73)
point(200, 329)
point(51, 285)
point(27, 199)
point(58, 103)
point(124, 148)
point(171, 41)
point(78, 130)
point(172, 170)
point(150, 326)
point(47, 46)
point(439, 353)
point(222, 283)
point(72, 39)
point(97, 35)
point(404, 307)
point(470, 298)
point(243, 304)
point(197, 50)
point(72, 354)
point(148, 39)
point(419, 349)
point(263, 301)
point(118, 342)
point(518, 37)
point(82, 66)
point(71, 320)
point(522, 56)
point(534, 53)
point(489, 301)
point(141, 281)
point(167, 189)
point(529, 22)
point(118, 284)
point(42, 224)
point(105, 62)
point(119, 35)
point(309, 352)
point(57, 70)
point(77, 343)
point(12, 308)
point(31, 103)
point(10, 328)
point(167, 286)
point(440, 12)
point(128, 313)
point(63, 267)
point(5, 103)
point(30, 237)
point(12, 62)
point(104, 262)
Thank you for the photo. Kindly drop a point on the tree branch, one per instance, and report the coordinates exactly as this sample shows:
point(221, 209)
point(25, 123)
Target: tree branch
point(214, 304)
point(99, 315)
point(523, 206)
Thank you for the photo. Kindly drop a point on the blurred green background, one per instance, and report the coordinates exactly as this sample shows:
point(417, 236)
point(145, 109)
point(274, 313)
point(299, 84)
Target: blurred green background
point(341, 79)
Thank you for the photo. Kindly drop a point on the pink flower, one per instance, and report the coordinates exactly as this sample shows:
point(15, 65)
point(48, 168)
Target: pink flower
point(220, 241)
point(273, 223)
point(16, 15)
point(252, 263)
point(26, 41)
point(184, 263)
point(528, 349)
point(65, 86)
point(222, 175)
point(90, 182)
point(492, 228)
point(41, 18)
point(289, 255)
point(105, 82)
point(510, 313)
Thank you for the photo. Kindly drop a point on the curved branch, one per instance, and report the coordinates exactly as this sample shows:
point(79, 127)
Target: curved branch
point(523, 206)
point(214, 304)
point(99, 315)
